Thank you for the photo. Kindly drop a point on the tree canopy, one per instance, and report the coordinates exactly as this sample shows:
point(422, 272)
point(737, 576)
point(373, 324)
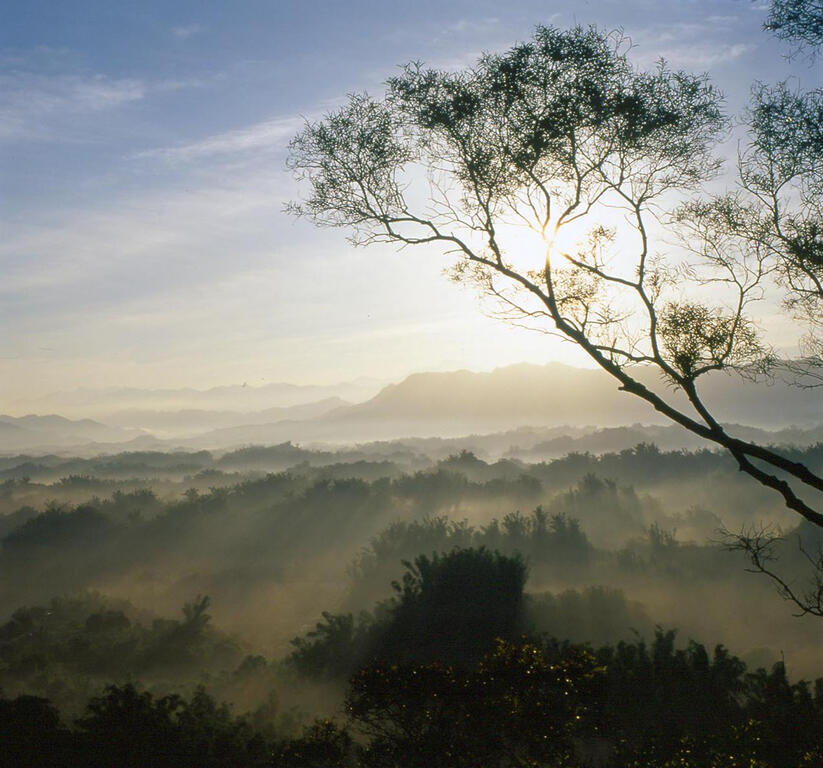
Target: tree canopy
point(557, 175)
point(799, 21)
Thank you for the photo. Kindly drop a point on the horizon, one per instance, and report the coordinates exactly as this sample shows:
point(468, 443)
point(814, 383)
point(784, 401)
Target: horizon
point(454, 404)
point(269, 498)
point(368, 386)
point(143, 180)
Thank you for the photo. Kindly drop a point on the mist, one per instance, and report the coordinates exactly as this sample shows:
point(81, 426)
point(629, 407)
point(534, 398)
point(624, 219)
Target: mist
point(261, 575)
point(411, 385)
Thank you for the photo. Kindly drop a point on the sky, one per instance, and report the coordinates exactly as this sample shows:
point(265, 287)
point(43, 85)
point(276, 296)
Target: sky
point(143, 180)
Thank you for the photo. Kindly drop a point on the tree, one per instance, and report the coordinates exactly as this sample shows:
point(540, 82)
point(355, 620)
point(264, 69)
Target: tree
point(447, 608)
point(450, 608)
point(515, 706)
point(799, 21)
point(126, 727)
point(32, 735)
point(516, 166)
point(540, 702)
point(777, 210)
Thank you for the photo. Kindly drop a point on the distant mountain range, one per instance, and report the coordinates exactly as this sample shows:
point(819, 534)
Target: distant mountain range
point(464, 402)
point(193, 421)
point(35, 432)
point(102, 404)
point(424, 405)
point(559, 394)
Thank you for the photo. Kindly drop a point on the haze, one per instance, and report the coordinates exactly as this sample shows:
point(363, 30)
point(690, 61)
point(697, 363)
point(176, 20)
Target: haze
point(270, 500)
point(142, 182)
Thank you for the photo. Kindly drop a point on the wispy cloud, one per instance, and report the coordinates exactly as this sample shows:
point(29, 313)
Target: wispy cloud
point(705, 56)
point(186, 31)
point(28, 101)
point(690, 44)
point(720, 19)
point(267, 134)
point(41, 106)
point(134, 243)
point(469, 26)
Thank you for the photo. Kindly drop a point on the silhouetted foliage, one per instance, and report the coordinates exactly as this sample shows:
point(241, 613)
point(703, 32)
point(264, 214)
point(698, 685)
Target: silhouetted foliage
point(66, 649)
point(31, 734)
point(337, 645)
point(547, 703)
point(323, 745)
point(515, 707)
point(540, 537)
point(450, 608)
point(59, 527)
point(447, 608)
point(593, 615)
point(521, 701)
point(550, 135)
point(799, 21)
point(133, 729)
point(422, 656)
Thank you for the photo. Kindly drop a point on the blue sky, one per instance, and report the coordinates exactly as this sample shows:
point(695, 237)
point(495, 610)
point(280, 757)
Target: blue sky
point(142, 182)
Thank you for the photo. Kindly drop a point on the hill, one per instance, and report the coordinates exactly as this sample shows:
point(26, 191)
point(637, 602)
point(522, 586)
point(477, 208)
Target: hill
point(30, 432)
point(464, 402)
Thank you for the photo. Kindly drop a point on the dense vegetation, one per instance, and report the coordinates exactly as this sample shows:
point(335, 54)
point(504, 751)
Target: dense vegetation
point(542, 584)
point(445, 675)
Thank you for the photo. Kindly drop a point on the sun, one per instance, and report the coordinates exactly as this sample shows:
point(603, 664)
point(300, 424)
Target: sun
point(527, 249)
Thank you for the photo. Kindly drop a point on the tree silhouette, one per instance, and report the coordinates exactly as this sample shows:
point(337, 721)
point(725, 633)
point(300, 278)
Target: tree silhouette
point(447, 608)
point(126, 727)
point(799, 21)
point(450, 608)
point(31, 734)
point(515, 167)
point(515, 707)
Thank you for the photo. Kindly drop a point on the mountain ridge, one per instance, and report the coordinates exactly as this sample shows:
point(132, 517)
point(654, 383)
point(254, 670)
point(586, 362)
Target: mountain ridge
point(441, 403)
